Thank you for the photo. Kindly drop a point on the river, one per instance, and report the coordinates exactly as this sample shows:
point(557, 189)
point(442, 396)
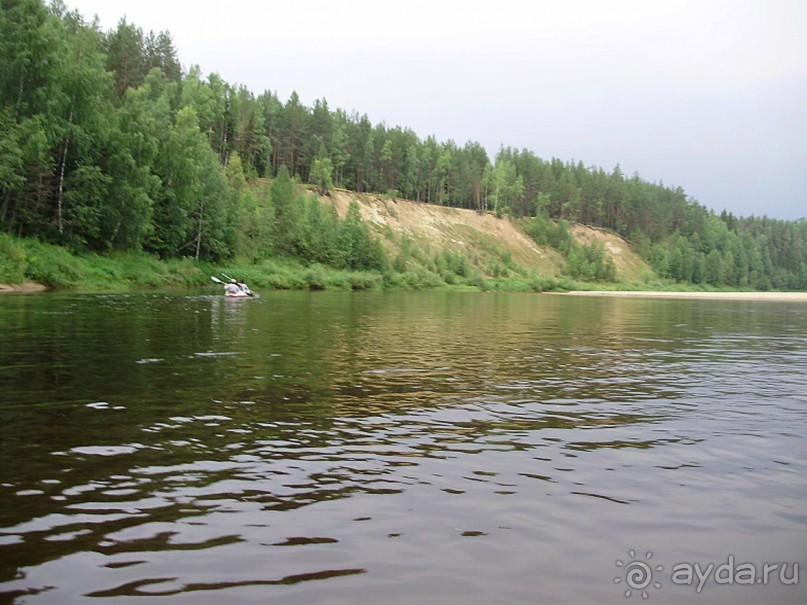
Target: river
point(403, 448)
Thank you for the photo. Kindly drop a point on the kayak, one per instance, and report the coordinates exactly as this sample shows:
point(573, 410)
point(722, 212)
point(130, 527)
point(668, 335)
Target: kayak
point(240, 294)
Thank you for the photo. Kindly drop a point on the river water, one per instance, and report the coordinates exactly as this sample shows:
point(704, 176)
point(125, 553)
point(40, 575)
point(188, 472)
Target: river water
point(404, 448)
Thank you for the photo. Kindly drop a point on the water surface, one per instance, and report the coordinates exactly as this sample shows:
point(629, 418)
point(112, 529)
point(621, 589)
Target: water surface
point(397, 447)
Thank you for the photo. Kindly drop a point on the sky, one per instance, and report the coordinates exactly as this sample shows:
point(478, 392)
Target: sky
point(708, 95)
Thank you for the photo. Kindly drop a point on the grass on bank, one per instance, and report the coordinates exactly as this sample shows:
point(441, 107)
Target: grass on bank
point(29, 260)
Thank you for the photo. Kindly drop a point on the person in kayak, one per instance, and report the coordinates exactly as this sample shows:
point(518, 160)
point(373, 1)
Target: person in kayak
point(232, 288)
point(244, 287)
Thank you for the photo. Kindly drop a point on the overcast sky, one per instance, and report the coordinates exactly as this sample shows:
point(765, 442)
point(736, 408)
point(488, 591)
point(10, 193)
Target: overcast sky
point(707, 95)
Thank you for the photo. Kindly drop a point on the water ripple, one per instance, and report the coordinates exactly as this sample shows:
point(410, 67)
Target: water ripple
point(403, 451)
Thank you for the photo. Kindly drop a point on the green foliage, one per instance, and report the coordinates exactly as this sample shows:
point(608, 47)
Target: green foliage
point(505, 187)
point(452, 263)
point(587, 263)
point(106, 146)
point(57, 267)
point(12, 260)
point(357, 248)
point(52, 266)
point(321, 173)
point(319, 232)
point(552, 233)
point(288, 213)
point(590, 263)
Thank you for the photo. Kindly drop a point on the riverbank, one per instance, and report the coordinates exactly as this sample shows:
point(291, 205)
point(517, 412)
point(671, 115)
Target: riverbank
point(753, 296)
point(27, 265)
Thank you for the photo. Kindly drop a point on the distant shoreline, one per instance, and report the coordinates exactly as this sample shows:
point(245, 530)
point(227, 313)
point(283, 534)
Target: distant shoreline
point(752, 296)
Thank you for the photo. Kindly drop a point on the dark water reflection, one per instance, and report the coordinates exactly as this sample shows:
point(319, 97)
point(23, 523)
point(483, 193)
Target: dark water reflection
point(395, 447)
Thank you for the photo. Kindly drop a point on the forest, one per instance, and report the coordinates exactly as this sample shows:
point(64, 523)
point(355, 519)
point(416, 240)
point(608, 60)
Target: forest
point(108, 143)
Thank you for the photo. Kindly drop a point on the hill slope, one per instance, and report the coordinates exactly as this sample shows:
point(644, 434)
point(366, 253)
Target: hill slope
point(484, 240)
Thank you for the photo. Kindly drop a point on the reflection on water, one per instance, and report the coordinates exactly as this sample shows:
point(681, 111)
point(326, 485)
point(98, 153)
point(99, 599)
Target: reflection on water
point(394, 447)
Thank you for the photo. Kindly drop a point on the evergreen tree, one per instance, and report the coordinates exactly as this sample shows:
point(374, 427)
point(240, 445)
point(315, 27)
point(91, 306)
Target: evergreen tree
point(126, 56)
point(287, 212)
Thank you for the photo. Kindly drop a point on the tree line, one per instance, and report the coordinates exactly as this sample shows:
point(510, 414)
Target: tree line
point(106, 143)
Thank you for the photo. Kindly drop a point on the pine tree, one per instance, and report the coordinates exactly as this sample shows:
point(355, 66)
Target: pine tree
point(126, 56)
point(287, 212)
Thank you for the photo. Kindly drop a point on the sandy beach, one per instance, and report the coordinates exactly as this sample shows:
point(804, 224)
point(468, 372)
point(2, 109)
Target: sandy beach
point(753, 296)
point(28, 286)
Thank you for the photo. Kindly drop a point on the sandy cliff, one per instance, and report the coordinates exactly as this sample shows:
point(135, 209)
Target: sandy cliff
point(480, 238)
